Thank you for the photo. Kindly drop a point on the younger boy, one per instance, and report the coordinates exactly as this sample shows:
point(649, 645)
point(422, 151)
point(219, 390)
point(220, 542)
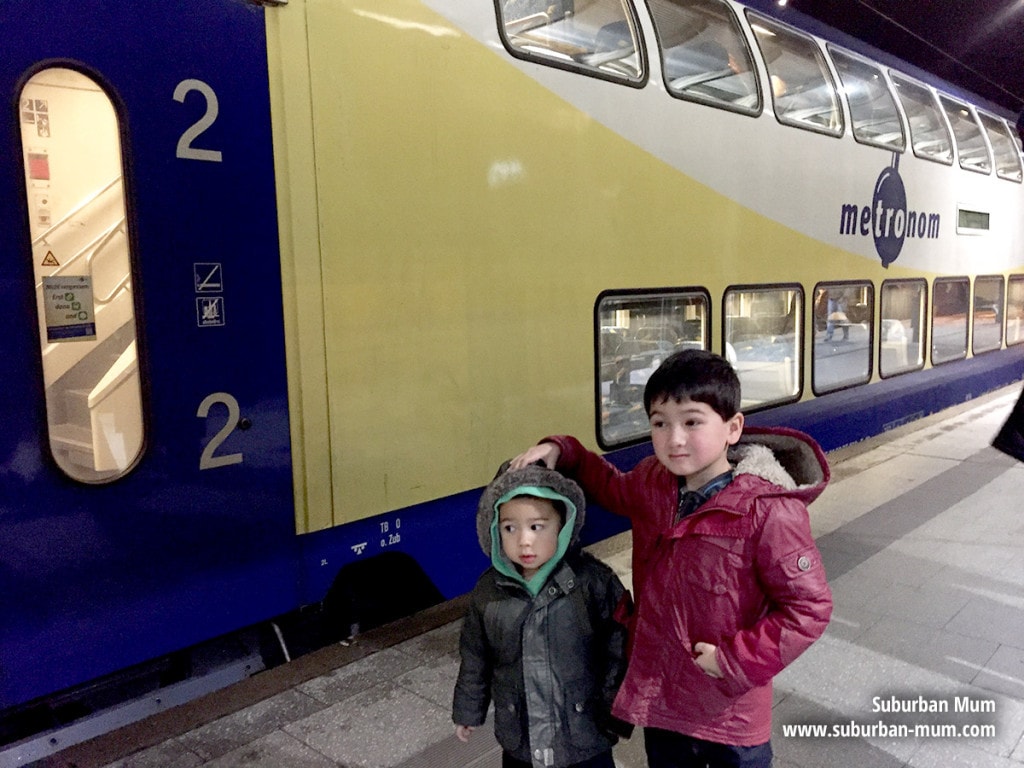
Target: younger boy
point(729, 583)
point(539, 636)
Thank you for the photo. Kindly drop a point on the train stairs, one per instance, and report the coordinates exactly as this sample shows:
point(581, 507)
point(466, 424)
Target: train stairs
point(89, 382)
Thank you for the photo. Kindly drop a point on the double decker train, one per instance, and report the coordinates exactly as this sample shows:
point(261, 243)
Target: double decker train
point(283, 283)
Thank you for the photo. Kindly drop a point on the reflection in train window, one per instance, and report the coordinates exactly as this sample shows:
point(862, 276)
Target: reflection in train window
point(704, 54)
point(81, 255)
point(635, 333)
point(1007, 156)
point(950, 301)
point(902, 331)
point(600, 37)
point(802, 87)
point(872, 107)
point(843, 329)
point(928, 134)
point(762, 341)
point(970, 145)
point(988, 313)
point(1015, 310)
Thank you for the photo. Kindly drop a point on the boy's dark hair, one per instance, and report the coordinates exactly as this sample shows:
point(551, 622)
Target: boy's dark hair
point(698, 375)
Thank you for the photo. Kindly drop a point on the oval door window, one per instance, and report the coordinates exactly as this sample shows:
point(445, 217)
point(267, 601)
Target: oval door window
point(81, 257)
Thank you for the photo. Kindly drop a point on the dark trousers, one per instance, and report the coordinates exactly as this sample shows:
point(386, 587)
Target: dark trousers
point(666, 749)
point(604, 760)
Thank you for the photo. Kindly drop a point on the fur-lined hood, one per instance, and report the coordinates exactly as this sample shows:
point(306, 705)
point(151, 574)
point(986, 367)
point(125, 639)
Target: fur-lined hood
point(534, 476)
point(784, 457)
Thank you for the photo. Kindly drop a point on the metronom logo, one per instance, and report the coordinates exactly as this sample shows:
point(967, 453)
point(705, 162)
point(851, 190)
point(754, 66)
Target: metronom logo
point(887, 219)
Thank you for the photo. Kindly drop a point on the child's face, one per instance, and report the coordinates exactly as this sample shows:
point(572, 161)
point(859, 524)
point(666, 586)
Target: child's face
point(529, 532)
point(691, 440)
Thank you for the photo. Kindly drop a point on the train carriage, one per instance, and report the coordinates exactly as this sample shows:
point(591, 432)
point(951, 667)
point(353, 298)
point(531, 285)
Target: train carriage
point(284, 284)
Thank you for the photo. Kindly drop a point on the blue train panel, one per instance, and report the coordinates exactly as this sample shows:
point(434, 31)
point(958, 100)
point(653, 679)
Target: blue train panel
point(198, 538)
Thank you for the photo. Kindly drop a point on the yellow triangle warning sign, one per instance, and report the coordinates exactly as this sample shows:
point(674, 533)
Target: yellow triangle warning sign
point(50, 260)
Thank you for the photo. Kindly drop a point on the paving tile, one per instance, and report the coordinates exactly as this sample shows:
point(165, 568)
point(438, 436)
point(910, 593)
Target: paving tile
point(275, 750)
point(378, 728)
point(949, 654)
point(169, 754)
point(434, 680)
point(236, 730)
point(352, 679)
point(1003, 672)
point(989, 619)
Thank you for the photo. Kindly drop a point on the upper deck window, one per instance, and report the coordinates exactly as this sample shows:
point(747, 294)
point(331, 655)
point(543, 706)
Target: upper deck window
point(970, 144)
point(928, 134)
point(802, 88)
point(704, 54)
point(599, 37)
point(81, 254)
point(1004, 148)
point(872, 106)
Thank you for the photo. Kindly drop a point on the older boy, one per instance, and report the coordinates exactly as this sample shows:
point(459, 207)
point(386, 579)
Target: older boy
point(729, 583)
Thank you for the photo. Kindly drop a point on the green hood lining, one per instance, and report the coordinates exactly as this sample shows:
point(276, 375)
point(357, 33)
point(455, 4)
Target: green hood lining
point(501, 561)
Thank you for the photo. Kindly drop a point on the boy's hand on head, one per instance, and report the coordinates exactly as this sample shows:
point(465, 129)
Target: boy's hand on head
point(463, 732)
point(546, 452)
point(706, 660)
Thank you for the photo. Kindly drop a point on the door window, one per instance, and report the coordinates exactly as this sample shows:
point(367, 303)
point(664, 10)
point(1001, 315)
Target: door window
point(81, 256)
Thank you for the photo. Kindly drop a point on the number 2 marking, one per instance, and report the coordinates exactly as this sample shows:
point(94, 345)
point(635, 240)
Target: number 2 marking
point(208, 460)
point(185, 149)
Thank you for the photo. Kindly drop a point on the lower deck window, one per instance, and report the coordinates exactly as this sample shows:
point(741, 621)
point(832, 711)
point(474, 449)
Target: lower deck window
point(987, 321)
point(636, 331)
point(950, 305)
point(1015, 310)
point(843, 329)
point(762, 341)
point(902, 332)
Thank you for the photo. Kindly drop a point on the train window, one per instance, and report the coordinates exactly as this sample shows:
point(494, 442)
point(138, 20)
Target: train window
point(928, 133)
point(950, 300)
point(970, 144)
point(988, 313)
point(1015, 310)
point(902, 332)
point(872, 105)
point(82, 261)
point(802, 88)
point(635, 332)
point(600, 37)
point(704, 54)
point(843, 319)
point(762, 341)
point(1004, 148)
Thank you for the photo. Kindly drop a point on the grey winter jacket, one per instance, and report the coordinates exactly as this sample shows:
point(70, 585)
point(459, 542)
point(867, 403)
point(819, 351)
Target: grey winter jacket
point(551, 663)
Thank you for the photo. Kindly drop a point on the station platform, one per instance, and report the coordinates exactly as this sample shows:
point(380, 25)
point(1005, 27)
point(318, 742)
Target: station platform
point(922, 534)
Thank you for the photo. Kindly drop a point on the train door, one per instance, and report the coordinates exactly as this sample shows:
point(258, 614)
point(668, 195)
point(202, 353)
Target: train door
point(146, 499)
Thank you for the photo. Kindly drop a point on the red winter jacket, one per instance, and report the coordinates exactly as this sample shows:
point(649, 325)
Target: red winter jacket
point(742, 573)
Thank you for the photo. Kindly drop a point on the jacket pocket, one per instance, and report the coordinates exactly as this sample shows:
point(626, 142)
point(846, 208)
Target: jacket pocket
point(710, 695)
point(582, 714)
point(508, 726)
